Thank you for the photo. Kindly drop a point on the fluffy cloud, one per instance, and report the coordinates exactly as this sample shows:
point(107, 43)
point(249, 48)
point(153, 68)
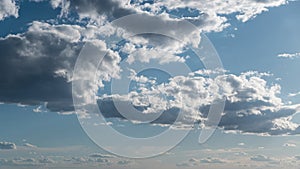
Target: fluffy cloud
point(146, 47)
point(207, 16)
point(7, 146)
point(37, 66)
point(203, 13)
point(252, 105)
point(8, 8)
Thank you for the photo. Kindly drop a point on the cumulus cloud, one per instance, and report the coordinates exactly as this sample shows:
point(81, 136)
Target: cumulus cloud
point(207, 16)
point(92, 8)
point(36, 66)
point(8, 8)
point(7, 146)
point(252, 105)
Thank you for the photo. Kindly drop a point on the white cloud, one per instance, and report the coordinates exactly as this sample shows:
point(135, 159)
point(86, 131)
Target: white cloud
point(163, 49)
point(289, 55)
point(289, 145)
point(29, 145)
point(243, 10)
point(252, 105)
point(8, 8)
point(211, 16)
point(241, 144)
point(294, 94)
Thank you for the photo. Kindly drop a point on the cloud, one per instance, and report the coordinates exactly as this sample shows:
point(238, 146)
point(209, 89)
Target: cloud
point(46, 161)
point(153, 47)
point(36, 66)
point(195, 162)
point(289, 145)
point(294, 94)
point(243, 10)
point(7, 146)
point(98, 155)
point(29, 145)
point(8, 8)
point(261, 158)
point(93, 8)
point(191, 162)
point(124, 162)
point(89, 160)
point(207, 16)
point(210, 160)
point(252, 105)
point(241, 144)
point(27, 162)
point(289, 55)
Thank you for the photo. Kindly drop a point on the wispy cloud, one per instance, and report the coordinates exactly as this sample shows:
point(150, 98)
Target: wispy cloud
point(289, 145)
point(294, 94)
point(289, 55)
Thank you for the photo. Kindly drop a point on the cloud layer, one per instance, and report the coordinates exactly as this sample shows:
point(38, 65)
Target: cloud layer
point(36, 66)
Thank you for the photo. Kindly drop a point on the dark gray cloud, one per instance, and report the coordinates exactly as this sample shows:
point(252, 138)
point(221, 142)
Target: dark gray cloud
point(234, 119)
point(28, 66)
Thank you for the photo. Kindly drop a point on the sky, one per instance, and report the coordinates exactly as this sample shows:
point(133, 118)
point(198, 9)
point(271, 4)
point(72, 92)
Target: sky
point(96, 84)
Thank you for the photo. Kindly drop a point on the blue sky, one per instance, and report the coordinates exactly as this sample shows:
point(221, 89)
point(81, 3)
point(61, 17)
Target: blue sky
point(40, 42)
